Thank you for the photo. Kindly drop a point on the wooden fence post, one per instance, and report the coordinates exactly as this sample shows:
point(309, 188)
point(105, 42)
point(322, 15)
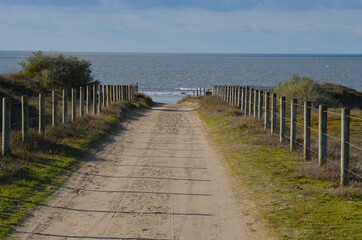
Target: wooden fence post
point(345, 127)
point(255, 107)
point(307, 130)
point(246, 102)
point(232, 95)
point(251, 101)
point(293, 124)
point(104, 96)
point(266, 110)
point(74, 104)
point(24, 119)
point(6, 126)
point(112, 94)
point(282, 120)
point(322, 135)
point(54, 108)
point(41, 113)
point(81, 102)
point(109, 95)
point(88, 99)
point(100, 87)
point(65, 106)
point(94, 99)
point(260, 104)
point(236, 96)
point(242, 99)
point(116, 93)
point(273, 123)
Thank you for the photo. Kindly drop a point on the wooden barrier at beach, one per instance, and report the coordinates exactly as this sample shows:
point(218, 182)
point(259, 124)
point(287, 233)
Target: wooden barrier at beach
point(93, 100)
point(261, 104)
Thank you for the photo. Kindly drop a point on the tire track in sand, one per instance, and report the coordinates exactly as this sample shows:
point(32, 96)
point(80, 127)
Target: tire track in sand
point(157, 178)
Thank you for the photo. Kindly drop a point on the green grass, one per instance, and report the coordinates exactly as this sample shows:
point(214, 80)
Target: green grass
point(32, 172)
point(294, 205)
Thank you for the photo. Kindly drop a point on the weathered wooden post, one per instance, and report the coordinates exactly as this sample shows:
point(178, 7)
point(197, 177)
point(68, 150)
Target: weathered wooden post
point(282, 120)
point(260, 105)
point(100, 87)
point(54, 108)
point(266, 110)
point(322, 135)
point(94, 99)
point(65, 106)
point(251, 96)
point(293, 124)
point(104, 95)
point(116, 93)
point(273, 123)
point(345, 127)
point(246, 102)
point(242, 99)
point(106, 92)
point(6, 126)
point(24, 119)
point(74, 104)
point(88, 99)
point(122, 93)
point(81, 102)
point(255, 107)
point(41, 113)
point(231, 96)
point(113, 94)
point(307, 130)
point(236, 95)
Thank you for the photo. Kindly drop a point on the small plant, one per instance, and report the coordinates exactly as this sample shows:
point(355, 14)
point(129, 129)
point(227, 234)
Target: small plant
point(305, 89)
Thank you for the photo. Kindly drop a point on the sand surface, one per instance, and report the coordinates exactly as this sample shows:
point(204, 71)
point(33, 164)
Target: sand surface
point(157, 177)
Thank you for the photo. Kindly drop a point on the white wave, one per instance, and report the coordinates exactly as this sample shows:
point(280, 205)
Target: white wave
point(165, 93)
point(186, 89)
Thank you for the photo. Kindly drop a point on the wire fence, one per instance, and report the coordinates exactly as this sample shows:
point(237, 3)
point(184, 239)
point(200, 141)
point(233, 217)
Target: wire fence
point(335, 130)
point(54, 108)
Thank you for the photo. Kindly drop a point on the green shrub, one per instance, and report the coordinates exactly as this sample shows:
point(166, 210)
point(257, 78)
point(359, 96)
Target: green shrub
point(305, 89)
point(57, 70)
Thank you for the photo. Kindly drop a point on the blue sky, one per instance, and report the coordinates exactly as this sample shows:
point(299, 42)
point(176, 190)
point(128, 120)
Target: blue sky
point(206, 26)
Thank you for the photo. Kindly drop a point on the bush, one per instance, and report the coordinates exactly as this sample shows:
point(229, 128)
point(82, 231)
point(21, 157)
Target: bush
point(57, 70)
point(305, 89)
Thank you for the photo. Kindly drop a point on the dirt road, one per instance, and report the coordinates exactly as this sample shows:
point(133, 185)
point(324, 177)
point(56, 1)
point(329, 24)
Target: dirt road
point(157, 178)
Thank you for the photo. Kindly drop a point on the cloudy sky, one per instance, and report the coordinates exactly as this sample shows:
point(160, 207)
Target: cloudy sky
point(186, 26)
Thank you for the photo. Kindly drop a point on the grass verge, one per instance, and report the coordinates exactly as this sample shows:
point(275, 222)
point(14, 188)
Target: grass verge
point(33, 171)
point(294, 203)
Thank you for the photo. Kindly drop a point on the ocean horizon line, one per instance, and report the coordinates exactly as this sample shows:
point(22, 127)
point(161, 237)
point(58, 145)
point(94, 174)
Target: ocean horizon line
point(190, 53)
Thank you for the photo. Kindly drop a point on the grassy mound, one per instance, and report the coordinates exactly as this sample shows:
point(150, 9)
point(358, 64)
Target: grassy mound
point(305, 89)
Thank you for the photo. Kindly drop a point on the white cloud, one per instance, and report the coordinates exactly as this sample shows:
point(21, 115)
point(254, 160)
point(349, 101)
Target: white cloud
point(195, 30)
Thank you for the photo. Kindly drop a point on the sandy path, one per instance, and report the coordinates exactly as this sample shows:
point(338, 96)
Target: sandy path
point(158, 178)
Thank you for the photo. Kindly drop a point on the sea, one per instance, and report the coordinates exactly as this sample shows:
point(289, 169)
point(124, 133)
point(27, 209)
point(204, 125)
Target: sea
point(168, 77)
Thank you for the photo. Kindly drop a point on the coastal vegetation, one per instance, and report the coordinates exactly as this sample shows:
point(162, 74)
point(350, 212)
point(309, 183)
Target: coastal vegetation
point(44, 73)
point(38, 167)
point(306, 89)
point(297, 200)
point(35, 170)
